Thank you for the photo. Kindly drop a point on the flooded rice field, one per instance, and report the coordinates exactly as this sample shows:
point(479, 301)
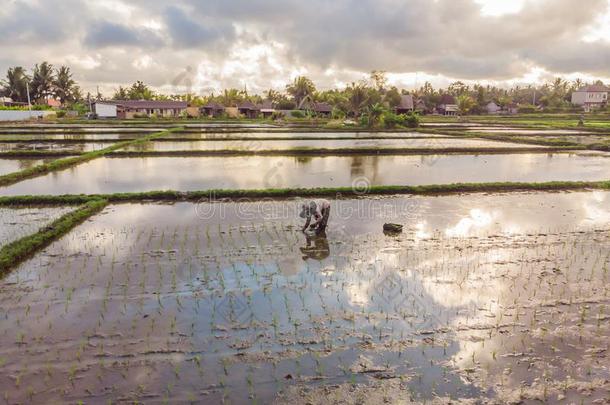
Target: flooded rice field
point(522, 131)
point(72, 137)
point(9, 165)
point(496, 296)
point(293, 135)
point(259, 145)
point(51, 146)
point(16, 223)
point(111, 175)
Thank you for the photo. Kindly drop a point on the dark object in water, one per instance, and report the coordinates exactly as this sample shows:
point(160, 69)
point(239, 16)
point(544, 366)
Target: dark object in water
point(392, 228)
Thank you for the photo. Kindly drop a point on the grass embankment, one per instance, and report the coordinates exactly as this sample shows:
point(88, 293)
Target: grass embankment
point(15, 252)
point(236, 195)
point(61, 164)
point(339, 152)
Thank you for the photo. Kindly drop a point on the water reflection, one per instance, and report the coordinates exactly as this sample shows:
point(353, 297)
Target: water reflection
point(109, 175)
point(316, 246)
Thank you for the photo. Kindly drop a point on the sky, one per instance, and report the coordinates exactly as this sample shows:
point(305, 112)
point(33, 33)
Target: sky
point(203, 46)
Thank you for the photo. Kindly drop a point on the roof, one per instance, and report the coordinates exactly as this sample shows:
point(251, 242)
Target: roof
point(150, 104)
point(213, 106)
point(246, 105)
point(266, 105)
point(322, 107)
point(447, 99)
point(594, 88)
point(406, 102)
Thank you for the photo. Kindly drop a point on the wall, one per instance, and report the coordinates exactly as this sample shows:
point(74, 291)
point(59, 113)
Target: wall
point(105, 110)
point(20, 115)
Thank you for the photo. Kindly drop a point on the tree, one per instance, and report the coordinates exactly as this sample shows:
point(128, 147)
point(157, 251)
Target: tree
point(379, 79)
point(15, 85)
point(301, 88)
point(357, 98)
point(374, 113)
point(393, 97)
point(121, 94)
point(42, 81)
point(63, 85)
point(140, 91)
point(465, 104)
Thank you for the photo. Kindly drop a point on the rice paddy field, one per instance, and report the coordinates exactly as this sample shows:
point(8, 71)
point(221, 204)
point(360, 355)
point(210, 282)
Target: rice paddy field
point(128, 278)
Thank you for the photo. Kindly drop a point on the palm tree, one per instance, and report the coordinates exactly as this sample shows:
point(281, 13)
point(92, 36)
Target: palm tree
point(42, 81)
point(301, 88)
point(15, 85)
point(375, 112)
point(465, 104)
point(358, 97)
point(64, 84)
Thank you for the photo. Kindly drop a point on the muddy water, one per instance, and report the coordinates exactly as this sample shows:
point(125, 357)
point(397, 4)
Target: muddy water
point(14, 165)
point(109, 175)
point(253, 145)
point(17, 223)
point(49, 146)
point(53, 130)
point(482, 296)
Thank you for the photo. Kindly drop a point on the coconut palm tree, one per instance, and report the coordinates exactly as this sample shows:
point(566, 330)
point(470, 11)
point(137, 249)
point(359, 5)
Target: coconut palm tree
point(301, 88)
point(15, 85)
point(358, 97)
point(42, 81)
point(64, 84)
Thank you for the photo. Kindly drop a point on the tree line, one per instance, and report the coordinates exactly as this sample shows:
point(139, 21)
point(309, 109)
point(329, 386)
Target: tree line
point(45, 81)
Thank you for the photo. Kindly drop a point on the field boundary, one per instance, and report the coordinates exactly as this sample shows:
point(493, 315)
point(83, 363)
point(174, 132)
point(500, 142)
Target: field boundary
point(336, 192)
point(65, 163)
point(16, 252)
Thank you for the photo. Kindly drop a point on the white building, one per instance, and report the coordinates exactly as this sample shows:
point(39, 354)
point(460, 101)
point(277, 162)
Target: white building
point(105, 109)
point(591, 97)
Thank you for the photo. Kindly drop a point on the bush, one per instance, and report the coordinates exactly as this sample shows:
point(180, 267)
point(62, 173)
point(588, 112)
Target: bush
point(60, 114)
point(334, 124)
point(411, 120)
point(277, 115)
point(390, 120)
point(297, 114)
point(527, 109)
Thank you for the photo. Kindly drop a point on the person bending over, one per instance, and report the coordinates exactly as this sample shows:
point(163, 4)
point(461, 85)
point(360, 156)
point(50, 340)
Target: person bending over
point(319, 211)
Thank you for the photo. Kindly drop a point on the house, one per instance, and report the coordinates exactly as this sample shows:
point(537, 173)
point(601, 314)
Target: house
point(420, 106)
point(8, 102)
point(406, 105)
point(267, 109)
point(248, 109)
point(319, 109)
point(192, 111)
point(162, 108)
point(103, 109)
point(447, 105)
point(52, 102)
point(492, 108)
point(591, 97)
point(512, 109)
point(212, 109)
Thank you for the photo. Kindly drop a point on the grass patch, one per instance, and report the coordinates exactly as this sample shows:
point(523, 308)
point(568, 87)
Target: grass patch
point(61, 164)
point(236, 195)
point(15, 252)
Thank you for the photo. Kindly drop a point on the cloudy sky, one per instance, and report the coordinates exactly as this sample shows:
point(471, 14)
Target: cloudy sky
point(206, 45)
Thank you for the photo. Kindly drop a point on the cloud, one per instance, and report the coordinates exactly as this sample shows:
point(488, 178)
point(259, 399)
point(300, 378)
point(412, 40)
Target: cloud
point(107, 34)
point(262, 43)
point(186, 32)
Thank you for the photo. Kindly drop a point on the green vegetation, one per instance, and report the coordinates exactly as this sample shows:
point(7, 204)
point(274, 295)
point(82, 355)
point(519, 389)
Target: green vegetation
point(15, 252)
point(61, 164)
point(338, 192)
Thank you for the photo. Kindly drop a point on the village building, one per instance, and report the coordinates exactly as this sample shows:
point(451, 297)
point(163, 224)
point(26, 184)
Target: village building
point(447, 105)
point(493, 108)
point(267, 109)
point(406, 105)
point(591, 97)
point(248, 109)
point(212, 110)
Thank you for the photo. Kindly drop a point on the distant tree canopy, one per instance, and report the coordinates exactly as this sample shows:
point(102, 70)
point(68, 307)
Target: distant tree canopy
point(44, 82)
point(355, 100)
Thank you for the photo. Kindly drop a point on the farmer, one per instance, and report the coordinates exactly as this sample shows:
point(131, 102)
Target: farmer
point(319, 210)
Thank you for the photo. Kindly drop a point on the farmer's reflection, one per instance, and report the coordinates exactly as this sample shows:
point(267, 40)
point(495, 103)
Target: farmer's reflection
point(320, 249)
